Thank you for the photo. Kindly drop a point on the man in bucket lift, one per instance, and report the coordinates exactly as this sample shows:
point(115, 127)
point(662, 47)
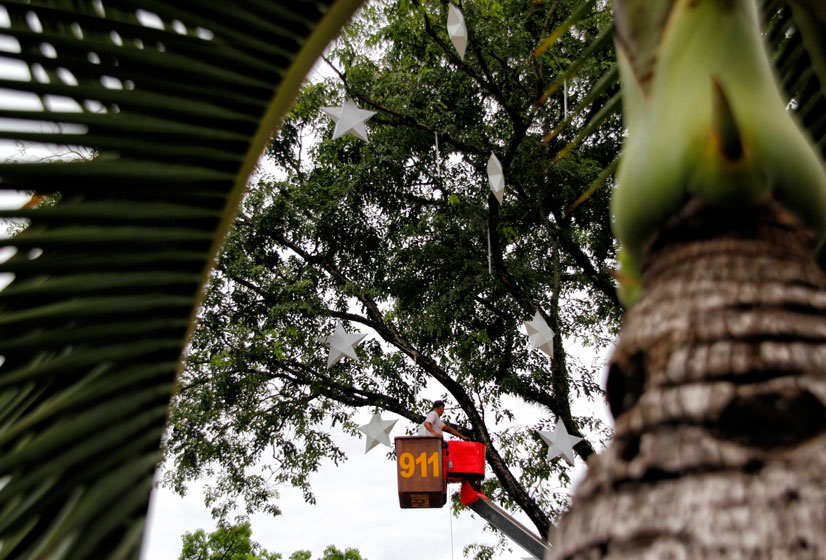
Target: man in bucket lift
point(433, 425)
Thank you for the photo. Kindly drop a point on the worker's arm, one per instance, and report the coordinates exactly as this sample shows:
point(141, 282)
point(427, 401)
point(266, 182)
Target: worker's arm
point(454, 432)
point(429, 427)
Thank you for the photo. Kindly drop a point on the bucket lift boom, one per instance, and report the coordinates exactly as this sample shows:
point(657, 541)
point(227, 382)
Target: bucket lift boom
point(422, 484)
point(503, 521)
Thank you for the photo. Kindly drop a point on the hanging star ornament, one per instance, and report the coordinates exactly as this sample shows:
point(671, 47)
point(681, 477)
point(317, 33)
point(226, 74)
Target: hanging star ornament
point(341, 344)
point(496, 177)
point(456, 30)
point(349, 119)
point(560, 442)
point(540, 334)
point(377, 431)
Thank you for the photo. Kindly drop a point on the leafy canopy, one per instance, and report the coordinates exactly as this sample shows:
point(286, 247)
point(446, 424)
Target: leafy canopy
point(391, 238)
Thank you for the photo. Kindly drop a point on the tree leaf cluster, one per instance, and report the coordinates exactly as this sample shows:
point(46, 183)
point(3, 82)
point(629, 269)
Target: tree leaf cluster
point(234, 542)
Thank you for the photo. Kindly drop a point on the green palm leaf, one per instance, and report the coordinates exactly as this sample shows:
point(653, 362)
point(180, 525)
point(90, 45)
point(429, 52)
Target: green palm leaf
point(177, 100)
point(602, 101)
point(796, 35)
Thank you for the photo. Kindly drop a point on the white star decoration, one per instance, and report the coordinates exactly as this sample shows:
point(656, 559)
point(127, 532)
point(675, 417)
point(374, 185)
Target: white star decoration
point(560, 442)
point(377, 431)
point(342, 344)
point(496, 177)
point(540, 334)
point(457, 30)
point(349, 119)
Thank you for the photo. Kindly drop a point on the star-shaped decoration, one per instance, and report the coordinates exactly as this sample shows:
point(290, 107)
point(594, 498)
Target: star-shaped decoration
point(496, 177)
point(377, 431)
point(349, 119)
point(540, 334)
point(341, 344)
point(456, 30)
point(560, 442)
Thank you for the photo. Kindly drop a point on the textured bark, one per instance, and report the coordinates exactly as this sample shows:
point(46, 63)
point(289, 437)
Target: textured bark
point(718, 387)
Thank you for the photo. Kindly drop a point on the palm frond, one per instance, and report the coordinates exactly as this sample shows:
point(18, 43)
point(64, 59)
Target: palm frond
point(575, 17)
point(173, 102)
point(796, 35)
point(603, 98)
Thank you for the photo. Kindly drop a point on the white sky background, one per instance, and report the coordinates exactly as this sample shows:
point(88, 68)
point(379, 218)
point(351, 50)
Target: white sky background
point(357, 502)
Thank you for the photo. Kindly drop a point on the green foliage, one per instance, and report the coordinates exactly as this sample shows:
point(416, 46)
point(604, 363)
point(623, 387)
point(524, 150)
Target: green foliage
point(227, 542)
point(330, 553)
point(234, 542)
point(387, 238)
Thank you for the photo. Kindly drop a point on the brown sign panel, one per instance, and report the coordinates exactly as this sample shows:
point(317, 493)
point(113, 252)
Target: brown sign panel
point(419, 467)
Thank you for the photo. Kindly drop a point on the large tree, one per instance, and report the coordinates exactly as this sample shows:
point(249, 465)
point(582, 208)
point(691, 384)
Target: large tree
point(392, 237)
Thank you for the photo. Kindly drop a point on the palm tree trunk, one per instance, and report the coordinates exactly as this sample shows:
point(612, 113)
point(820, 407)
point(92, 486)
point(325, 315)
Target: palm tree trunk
point(718, 389)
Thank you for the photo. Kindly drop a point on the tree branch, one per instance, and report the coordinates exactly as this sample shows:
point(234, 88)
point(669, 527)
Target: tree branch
point(488, 84)
point(407, 120)
point(390, 334)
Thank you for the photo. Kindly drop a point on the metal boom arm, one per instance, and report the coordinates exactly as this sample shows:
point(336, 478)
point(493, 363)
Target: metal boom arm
point(503, 521)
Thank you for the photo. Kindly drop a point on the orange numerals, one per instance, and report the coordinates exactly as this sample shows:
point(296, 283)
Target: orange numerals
point(408, 464)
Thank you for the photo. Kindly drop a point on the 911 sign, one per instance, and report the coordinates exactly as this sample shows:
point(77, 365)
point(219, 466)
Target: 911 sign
point(420, 469)
point(429, 464)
